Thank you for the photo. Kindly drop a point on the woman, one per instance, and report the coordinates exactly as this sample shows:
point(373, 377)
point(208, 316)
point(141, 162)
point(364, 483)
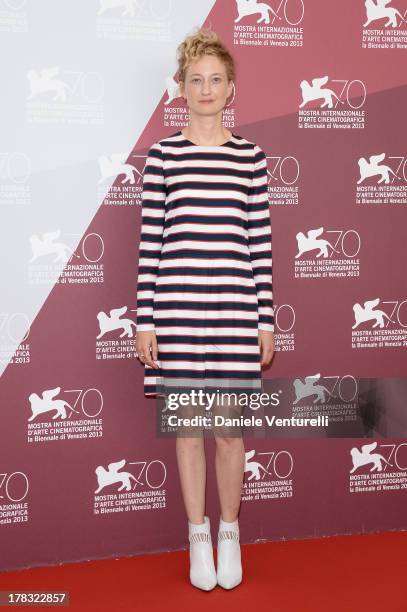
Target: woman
point(204, 292)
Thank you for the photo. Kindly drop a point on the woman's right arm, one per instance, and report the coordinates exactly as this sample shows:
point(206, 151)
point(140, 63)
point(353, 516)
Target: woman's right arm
point(151, 233)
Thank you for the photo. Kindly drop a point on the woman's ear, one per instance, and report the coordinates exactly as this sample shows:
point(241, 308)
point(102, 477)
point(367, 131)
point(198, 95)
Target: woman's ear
point(182, 91)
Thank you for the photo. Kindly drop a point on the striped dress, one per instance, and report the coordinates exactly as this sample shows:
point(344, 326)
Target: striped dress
point(205, 263)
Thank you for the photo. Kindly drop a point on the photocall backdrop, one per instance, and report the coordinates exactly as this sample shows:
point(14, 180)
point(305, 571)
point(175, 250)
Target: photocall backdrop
point(321, 88)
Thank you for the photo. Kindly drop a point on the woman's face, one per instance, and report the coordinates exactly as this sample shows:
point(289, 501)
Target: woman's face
point(206, 87)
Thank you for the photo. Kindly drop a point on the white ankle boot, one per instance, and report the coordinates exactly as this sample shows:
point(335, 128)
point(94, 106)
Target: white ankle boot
point(202, 573)
point(229, 570)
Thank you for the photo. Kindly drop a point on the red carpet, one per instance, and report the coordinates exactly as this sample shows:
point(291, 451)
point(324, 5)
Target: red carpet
point(344, 573)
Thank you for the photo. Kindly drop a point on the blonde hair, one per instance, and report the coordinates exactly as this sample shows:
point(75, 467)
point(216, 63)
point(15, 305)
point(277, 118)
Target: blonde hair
point(199, 43)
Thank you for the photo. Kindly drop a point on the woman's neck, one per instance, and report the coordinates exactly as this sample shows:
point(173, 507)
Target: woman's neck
point(206, 139)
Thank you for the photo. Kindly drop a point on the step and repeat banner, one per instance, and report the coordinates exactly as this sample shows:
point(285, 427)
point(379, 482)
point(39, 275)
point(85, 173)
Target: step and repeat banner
point(85, 470)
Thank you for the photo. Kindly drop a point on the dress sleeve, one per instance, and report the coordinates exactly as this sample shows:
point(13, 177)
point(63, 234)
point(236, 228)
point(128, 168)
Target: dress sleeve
point(259, 230)
point(152, 226)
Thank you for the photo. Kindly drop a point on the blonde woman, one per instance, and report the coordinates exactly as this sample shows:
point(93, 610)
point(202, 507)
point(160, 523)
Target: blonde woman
point(204, 290)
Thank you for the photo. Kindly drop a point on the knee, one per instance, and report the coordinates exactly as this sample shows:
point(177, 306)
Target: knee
point(225, 443)
point(189, 444)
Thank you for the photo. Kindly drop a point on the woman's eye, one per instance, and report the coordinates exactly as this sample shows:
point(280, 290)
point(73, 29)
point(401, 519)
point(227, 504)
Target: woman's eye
point(217, 79)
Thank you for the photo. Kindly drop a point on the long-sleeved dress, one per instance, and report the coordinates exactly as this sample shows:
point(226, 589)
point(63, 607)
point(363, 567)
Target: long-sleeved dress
point(205, 263)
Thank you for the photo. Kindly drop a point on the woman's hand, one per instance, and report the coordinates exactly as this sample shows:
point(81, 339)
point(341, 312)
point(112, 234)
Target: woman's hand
point(266, 343)
point(146, 348)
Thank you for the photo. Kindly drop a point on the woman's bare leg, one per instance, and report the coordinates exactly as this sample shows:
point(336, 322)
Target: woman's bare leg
point(190, 451)
point(229, 462)
point(229, 465)
point(192, 471)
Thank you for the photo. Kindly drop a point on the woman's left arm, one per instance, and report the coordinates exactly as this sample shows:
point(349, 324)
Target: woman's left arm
point(259, 230)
